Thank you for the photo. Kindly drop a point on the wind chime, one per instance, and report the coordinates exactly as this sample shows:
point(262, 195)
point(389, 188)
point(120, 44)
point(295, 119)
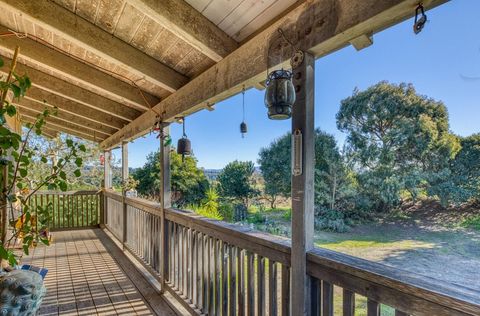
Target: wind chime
point(243, 125)
point(184, 146)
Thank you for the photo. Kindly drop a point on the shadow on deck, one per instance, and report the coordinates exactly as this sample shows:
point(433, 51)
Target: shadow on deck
point(90, 275)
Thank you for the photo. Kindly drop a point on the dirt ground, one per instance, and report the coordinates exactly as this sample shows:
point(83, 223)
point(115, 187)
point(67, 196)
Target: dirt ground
point(424, 239)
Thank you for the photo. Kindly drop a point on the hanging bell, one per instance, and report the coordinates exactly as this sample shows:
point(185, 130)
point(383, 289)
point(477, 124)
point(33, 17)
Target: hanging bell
point(279, 95)
point(243, 128)
point(184, 146)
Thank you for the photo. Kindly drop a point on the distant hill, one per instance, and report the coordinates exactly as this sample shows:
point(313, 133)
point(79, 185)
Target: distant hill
point(212, 174)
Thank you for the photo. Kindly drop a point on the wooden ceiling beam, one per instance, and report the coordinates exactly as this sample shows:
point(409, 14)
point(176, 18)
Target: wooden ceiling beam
point(185, 22)
point(319, 27)
point(63, 129)
point(72, 107)
point(36, 107)
point(61, 21)
point(61, 122)
point(48, 133)
point(46, 59)
point(72, 92)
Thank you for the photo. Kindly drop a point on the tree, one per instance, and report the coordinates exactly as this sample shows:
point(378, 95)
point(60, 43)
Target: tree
point(463, 181)
point(398, 140)
point(332, 181)
point(235, 181)
point(275, 164)
point(53, 149)
point(188, 182)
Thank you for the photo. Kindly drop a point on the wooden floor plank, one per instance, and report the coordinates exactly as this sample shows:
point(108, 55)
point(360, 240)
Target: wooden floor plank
point(89, 275)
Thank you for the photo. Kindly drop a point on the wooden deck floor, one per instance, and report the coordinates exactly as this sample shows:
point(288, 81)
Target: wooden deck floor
point(89, 275)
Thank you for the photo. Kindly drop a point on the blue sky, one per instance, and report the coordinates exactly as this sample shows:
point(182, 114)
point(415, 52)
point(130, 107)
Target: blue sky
point(442, 62)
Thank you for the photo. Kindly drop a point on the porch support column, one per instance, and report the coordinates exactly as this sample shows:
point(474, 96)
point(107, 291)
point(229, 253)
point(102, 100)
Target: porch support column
point(106, 184)
point(303, 184)
point(124, 180)
point(165, 203)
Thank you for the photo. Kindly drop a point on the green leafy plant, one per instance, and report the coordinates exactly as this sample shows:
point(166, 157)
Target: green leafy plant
point(22, 220)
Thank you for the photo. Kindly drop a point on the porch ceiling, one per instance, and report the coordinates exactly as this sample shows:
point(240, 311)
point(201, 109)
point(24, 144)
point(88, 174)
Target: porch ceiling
point(112, 66)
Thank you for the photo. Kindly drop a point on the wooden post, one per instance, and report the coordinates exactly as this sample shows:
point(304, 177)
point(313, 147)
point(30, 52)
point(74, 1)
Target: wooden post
point(124, 192)
point(165, 202)
point(107, 184)
point(303, 184)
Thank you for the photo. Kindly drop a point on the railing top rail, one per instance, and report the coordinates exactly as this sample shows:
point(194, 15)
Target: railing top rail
point(79, 192)
point(442, 293)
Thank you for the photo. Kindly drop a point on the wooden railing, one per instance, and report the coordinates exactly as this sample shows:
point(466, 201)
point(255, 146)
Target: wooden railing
point(217, 268)
point(71, 209)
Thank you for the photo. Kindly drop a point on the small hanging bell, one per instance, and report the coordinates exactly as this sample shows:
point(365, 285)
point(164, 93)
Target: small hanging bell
point(243, 128)
point(184, 146)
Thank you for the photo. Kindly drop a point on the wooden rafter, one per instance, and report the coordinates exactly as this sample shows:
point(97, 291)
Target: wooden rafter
point(73, 92)
point(64, 129)
point(49, 60)
point(320, 27)
point(81, 32)
point(36, 107)
point(56, 121)
point(188, 24)
point(72, 107)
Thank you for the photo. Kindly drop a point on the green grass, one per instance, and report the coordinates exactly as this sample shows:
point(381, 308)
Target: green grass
point(360, 305)
point(472, 222)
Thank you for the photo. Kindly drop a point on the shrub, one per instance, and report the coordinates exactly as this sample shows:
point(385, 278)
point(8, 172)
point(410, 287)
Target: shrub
point(287, 215)
point(332, 220)
point(256, 218)
point(226, 211)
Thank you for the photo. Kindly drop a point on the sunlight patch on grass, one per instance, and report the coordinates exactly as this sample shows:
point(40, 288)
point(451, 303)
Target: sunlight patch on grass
point(365, 244)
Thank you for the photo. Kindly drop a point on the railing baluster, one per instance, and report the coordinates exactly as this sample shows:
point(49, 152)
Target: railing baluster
point(316, 296)
point(348, 303)
point(250, 294)
point(272, 287)
point(259, 284)
point(327, 298)
point(373, 308)
point(240, 281)
point(224, 264)
point(232, 276)
point(285, 290)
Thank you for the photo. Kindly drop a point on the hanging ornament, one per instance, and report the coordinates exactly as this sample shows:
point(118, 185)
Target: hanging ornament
point(280, 92)
point(279, 95)
point(184, 146)
point(243, 125)
point(102, 160)
point(419, 22)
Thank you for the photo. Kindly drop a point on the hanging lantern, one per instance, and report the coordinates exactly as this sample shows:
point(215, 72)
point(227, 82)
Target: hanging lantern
point(243, 125)
point(184, 146)
point(279, 95)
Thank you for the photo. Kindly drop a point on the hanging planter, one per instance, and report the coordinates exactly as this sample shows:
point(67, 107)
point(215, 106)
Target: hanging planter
point(184, 146)
point(243, 125)
point(279, 95)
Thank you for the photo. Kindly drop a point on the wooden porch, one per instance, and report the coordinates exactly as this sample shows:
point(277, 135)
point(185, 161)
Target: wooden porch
point(90, 275)
point(209, 267)
point(119, 70)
